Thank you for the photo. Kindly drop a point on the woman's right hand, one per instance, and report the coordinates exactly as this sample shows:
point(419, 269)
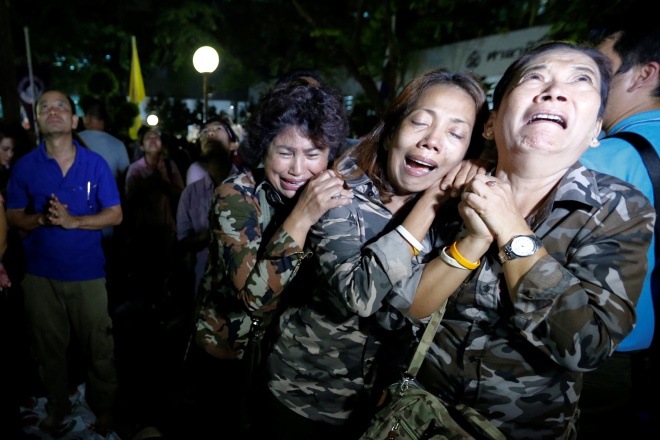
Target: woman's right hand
point(322, 193)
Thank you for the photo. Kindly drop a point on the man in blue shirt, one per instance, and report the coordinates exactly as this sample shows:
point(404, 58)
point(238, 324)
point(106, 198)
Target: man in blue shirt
point(633, 47)
point(62, 195)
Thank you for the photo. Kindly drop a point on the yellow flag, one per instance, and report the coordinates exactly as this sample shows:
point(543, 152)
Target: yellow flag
point(136, 91)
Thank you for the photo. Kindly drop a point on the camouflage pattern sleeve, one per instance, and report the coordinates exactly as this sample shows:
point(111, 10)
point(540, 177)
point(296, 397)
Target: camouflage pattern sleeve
point(360, 261)
point(236, 226)
point(518, 359)
point(578, 303)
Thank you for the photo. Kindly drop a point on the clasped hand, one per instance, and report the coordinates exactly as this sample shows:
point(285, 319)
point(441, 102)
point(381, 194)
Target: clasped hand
point(58, 214)
point(488, 208)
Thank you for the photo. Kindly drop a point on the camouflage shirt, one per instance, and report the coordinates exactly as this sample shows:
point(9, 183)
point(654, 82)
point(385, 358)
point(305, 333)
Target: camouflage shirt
point(239, 274)
point(322, 364)
point(521, 364)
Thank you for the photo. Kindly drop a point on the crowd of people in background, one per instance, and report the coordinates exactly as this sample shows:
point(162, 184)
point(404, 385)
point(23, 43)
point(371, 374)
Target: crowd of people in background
point(107, 246)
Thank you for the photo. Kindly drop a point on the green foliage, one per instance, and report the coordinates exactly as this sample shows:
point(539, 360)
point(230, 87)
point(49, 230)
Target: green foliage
point(572, 19)
point(261, 40)
point(173, 115)
point(179, 30)
point(123, 117)
point(102, 83)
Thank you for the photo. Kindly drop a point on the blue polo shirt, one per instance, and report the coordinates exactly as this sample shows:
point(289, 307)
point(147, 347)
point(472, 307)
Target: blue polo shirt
point(620, 159)
point(88, 187)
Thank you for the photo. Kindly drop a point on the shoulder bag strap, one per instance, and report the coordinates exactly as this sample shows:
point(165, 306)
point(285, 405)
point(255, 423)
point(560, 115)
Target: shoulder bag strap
point(425, 342)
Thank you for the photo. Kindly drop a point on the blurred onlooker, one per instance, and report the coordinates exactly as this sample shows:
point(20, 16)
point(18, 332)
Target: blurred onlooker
point(192, 219)
point(135, 147)
point(217, 130)
point(111, 148)
point(97, 139)
point(6, 156)
point(152, 173)
point(14, 141)
point(6, 150)
point(153, 188)
point(235, 126)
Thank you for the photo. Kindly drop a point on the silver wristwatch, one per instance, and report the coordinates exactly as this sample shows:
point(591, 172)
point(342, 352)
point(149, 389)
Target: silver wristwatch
point(518, 247)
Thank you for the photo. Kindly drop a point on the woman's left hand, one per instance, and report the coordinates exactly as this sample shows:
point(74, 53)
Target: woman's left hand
point(461, 174)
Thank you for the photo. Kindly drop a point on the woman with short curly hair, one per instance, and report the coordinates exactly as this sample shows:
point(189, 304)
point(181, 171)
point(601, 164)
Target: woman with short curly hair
point(296, 132)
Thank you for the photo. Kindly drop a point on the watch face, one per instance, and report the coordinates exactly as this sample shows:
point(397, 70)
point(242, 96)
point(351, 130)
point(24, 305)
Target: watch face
point(523, 246)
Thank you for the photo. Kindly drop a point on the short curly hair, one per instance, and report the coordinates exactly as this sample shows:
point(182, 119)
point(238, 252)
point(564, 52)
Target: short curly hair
point(318, 111)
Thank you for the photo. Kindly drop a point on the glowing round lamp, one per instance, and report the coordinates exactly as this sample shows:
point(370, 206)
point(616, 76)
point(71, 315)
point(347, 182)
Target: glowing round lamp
point(152, 120)
point(206, 60)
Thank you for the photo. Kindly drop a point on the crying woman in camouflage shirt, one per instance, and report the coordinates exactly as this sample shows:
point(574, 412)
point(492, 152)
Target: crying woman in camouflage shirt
point(544, 279)
point(322, 366)
point(259, 221)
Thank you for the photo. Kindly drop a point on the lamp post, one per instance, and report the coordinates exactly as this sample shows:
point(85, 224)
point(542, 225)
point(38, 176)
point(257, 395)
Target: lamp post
point(206, 60)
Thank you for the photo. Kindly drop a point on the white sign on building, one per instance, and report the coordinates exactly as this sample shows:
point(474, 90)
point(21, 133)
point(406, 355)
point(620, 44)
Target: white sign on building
point(486, 57)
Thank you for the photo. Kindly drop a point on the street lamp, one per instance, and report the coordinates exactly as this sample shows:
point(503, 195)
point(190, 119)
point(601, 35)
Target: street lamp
point(206, 60)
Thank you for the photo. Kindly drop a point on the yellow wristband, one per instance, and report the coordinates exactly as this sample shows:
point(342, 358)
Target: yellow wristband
point(461, 259)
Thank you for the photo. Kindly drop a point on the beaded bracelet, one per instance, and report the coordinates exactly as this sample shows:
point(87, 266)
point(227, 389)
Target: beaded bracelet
point(461, 259)
point(450, 261)
point(416, 245)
